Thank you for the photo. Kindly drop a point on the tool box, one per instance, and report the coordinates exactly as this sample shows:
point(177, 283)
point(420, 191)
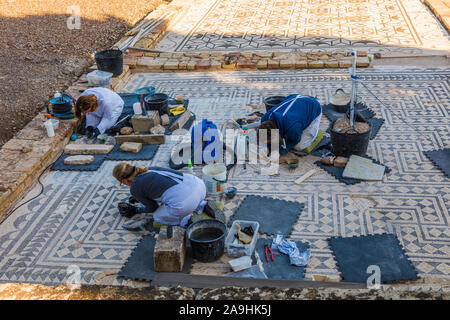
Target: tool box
point(238, 250)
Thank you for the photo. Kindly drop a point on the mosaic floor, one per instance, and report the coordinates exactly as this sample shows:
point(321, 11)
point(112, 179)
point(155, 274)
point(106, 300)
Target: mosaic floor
point(76, 223)
point(376, 25)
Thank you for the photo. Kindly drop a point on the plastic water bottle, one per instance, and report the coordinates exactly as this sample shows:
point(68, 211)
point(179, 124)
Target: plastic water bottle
point(137, 109)
point(190, 168)
point(49, 126)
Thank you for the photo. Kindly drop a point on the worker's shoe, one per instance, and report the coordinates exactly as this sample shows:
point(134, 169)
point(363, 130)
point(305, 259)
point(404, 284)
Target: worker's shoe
point(314, 144)
point(212, 210)
point(157, 225)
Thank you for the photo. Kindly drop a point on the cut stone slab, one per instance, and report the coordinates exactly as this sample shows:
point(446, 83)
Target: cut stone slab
point(142, 138)
point(143, 123)
point(75, 148)
point(78, 160)
point(159, 129)
point(181, 121)
point(133, 147)
point(165, 120)
point(170, 252)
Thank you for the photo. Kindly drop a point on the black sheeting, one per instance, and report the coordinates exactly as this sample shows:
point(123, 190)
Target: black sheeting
point(274, 216)
point(337, 172)
point(355, 254)
point(280, 267)
point(139, 265)
point(330, 112)
point(147, 152)
point(441, 159)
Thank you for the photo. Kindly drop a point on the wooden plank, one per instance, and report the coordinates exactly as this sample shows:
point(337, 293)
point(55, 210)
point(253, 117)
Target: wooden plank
point(201, 281)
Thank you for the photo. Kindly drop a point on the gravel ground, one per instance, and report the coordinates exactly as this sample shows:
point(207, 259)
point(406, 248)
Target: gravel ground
point(39, 54)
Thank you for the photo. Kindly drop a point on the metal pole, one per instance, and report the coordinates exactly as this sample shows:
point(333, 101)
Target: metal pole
point(353, 94)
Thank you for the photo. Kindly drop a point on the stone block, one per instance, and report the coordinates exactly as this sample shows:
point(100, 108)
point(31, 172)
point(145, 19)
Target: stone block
point(273, 64)
point(159, 129)
point(133, 147)
point(264, 54)
point(126, 130)
point(332, 63)
point(143, 123)
point(170, 253)
point(216, 64)
point(79, 148)
point(151, 64)
point(262, 64)
point(165, 120)
point(203, 64)
point(287, 63)
point(301, 64)
point(171, 65)
point(229, 66)
point(345, 63)
point(78, 160)
point(245, 64)
point(181, 121)
point(142, 138)
point(191, 65)
point(362, 62)
point(316, 64)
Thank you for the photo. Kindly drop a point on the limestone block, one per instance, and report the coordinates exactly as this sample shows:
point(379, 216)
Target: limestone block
point(165, 120)
point(316, 64)
point(171, 64)
point(262, 64)
point(78, 160)
point(362, 62)
point(133, 147)
point(75, 148)
point(181, 121)
point(301, 64)
point(159, 129)
point(142, 138)
point(126, 130)
point(170, 253)
point(273, 64)
point(287, 63)
point(143, 123)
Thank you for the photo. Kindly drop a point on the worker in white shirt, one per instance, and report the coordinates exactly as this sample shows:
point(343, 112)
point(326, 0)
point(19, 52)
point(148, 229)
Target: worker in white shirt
point(102, 107)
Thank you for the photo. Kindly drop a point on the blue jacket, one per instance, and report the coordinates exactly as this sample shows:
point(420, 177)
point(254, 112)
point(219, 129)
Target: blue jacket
point(292, 116)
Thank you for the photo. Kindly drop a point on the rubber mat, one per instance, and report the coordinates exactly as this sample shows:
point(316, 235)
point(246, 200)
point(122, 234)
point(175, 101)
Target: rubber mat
point(139, 265)
point(330, 112)
point(337, 172)
point(93, 166)
point(355, 254)
point(280, 267)
point(441, 159)
point(147, 152)
point(274, 216)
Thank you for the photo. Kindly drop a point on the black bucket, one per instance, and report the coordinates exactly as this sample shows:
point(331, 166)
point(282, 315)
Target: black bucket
point(207, 239)
point(157, 101)
point(110, 61)
point(347, 143)
point(272, 101)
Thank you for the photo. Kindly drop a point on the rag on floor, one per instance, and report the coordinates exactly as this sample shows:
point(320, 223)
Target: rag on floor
point(297, 258)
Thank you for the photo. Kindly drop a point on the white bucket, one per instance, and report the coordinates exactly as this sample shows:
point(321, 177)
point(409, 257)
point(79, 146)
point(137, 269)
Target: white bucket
point(213, 175)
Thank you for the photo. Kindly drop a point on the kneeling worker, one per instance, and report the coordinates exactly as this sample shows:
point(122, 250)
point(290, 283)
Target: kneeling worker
point(179, 193)
point(102, 107)
point(297, 118)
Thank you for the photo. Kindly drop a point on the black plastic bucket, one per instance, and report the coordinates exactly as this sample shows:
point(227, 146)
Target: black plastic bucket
point(207, 238)
point(347, 143)
point(157, 101)
point(272, 101)
point(110, 60)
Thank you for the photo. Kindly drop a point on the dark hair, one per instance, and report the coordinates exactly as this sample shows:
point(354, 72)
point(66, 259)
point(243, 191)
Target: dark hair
point(269, 126)
point(85, 103)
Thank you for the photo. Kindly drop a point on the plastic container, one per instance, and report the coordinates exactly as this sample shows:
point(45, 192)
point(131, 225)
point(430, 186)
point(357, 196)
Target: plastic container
point(99, 78)
point(145, 91)
point(241, 263)
point(157, 101)
point(239, 250)
point(110, 60)
point(213, 176)
point(345, 144)
point(49, 126)
point(272, 101)
point(207, 239)
point(137, 108)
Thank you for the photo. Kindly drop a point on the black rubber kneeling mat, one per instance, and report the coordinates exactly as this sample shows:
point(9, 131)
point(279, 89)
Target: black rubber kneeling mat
point(139, 265)
point(273, 215)
point(355, 254)
point(59, 164)
point(280, 267)
point(441, 159)
point(147, 152)
point(330, 111)
point(337, 172)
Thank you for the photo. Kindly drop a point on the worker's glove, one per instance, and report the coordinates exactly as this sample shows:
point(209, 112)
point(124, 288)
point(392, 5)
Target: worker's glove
point(89, 132)
point(127, 210)
point(96, 133)
point(132, 200)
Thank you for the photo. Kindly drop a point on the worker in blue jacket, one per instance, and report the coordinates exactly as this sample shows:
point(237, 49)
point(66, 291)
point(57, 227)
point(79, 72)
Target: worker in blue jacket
point(297, 118)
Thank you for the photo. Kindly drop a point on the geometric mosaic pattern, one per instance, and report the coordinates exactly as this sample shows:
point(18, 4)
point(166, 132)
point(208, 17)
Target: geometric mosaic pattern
point(239, 25)
point(76, 221)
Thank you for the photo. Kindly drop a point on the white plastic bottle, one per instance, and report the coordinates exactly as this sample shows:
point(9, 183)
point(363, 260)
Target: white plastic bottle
point(57, 94)
point(49, 126)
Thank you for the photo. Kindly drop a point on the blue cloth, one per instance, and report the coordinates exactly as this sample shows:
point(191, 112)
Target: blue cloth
point(292, 116)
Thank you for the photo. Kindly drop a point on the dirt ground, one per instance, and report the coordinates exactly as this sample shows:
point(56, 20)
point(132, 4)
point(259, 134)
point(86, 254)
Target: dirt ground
point(39, 54)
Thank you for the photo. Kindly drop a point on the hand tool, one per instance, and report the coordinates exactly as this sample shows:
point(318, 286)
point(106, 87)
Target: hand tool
point(267, 249)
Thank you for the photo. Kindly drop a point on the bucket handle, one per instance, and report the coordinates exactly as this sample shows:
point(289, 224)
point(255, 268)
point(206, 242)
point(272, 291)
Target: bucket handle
point(340, 89)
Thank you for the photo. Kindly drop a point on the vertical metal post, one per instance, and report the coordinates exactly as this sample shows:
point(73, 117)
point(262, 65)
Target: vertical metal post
point(353, 93)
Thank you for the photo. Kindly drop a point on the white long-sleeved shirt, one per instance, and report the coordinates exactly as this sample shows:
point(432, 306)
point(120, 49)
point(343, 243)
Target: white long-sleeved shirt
point(110, 106)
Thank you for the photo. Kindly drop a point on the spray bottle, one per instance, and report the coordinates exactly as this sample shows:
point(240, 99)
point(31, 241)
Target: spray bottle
point(49, 125)
point(190, 168)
